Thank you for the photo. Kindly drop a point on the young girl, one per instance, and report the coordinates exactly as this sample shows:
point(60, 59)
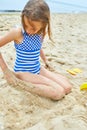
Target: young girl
point(28, 44)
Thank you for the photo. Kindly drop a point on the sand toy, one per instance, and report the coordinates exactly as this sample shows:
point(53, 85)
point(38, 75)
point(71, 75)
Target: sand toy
point(83, 86)
point(74, 71)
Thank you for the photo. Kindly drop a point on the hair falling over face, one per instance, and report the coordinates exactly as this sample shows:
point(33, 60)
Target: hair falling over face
point(38, 10)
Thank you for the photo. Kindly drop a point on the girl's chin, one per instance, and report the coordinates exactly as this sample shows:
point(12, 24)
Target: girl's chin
point(30, 33)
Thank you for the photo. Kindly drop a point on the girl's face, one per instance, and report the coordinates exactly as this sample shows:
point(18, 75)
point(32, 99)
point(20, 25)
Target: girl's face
point(32, 27)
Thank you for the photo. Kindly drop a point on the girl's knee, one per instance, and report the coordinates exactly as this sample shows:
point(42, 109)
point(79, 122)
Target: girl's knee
point(68, 88)
point(57, 95)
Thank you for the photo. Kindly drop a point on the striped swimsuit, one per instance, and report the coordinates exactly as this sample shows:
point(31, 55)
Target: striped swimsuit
point(28, 53)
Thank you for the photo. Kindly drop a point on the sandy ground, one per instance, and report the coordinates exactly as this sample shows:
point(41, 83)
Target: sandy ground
point(21, 110)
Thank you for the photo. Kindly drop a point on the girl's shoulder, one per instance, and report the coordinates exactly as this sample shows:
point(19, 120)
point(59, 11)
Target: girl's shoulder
point(17, 31)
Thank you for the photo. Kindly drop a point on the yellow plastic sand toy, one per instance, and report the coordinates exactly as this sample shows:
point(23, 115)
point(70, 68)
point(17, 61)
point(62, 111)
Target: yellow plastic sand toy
point(83, 86)
point(74, 71)
point(77, 70)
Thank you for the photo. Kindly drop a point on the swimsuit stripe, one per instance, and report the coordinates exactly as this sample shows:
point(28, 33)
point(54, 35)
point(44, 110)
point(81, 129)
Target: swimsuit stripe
point(27, 70)
point(28, 56)
point(27, 52)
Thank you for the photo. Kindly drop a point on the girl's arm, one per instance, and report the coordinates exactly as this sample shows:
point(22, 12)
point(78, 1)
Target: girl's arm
point(2, 63)
point(9, 76)
point(43, 56)
point(12, 35)
point(4, 40)
point(47, 65)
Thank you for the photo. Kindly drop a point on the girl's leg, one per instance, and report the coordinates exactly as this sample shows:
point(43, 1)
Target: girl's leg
point(43, 86)
point(48, 91)
point(58, 78)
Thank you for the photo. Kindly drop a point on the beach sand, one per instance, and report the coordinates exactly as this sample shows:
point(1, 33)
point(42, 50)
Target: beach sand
point(21, 110)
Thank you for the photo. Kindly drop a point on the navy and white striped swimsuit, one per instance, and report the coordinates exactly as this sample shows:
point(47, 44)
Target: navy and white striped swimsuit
point(27, 54)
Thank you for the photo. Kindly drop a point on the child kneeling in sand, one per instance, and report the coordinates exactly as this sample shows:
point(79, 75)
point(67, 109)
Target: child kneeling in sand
point(28, 44)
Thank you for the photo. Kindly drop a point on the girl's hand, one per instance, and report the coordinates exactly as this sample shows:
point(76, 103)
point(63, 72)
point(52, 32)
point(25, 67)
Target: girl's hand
point(10, 77)
point(48, 66)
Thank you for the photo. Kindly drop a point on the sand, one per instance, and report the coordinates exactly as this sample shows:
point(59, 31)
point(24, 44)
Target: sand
point(21, 110)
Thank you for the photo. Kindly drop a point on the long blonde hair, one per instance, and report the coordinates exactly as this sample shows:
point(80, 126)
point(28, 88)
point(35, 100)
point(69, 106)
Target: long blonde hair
point(38, 10)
